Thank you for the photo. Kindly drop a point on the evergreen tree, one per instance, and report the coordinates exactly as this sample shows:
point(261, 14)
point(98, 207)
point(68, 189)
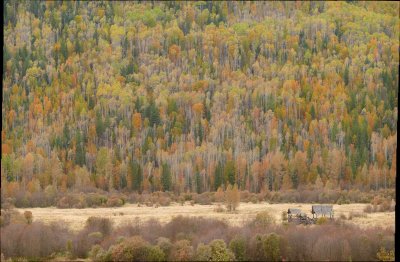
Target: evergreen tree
point(199, 184)
point(229, 172)
point(166, 180)
point(100, 127)
point(80, 152)
point(218, 176)
point(136, 174)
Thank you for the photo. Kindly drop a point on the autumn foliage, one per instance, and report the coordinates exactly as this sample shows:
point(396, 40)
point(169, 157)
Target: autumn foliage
point(194, 96)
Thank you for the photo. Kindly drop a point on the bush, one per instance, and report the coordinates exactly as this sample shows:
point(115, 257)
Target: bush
point(182, 251)
point(219, 251)
point(136, 249)
point(338, 250)
point(164, 201)
point(232, 197)
point(33, 241)
point(11, 215)
point(380, 205)
point(187, 196)
point(284, 216)
point(114, 202)
point(385, 255)
point(368, 209)
point(322, 220)
point(219, 208)
point(219, 195)
point(238, 247)
point(97, 253)
point(263, 219)
point(203, 199)
point(165, 245)
point(203, 253)
point(71, 201)
point(155, 253)
point(99, 224)
point(95, 200)
point(28, 216)
point(271, 247)
point(96, 235)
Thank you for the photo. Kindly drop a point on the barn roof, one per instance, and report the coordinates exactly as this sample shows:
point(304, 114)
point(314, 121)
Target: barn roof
point(322, 209)
point(294, 211)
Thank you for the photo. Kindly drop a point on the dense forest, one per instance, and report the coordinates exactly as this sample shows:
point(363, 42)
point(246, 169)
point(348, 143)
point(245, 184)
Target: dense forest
point(193, 96)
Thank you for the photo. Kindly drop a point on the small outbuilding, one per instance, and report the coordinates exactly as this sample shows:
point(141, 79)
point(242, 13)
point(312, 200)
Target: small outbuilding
point(322, 211)
point(293, 212)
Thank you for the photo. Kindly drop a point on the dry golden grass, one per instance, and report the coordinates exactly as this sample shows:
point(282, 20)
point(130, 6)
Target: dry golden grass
point(75, 218)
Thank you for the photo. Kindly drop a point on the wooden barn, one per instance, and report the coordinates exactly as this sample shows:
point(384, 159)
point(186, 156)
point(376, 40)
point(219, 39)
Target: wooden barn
point(322, 211)
point(293, 211)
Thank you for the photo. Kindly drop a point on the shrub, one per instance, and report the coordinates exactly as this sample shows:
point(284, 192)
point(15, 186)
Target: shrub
point(69, 249)
point(254, 199)
point(11, 215)
point(181, 251)
point(203, 199)
point(238, 247)
point(99, 224)
point(136, 249)
point(263, 219)
point(368, 209)
point(219, 195)
point(385, 255)
point(95, 200)
point(284, 216)
point(327, 248)
point(70, 201)
point(219, 208)
point(255, 249)
point(155, 253)
point(28, 216)
point(114, 202)
point(164, 201)
point(322, 220)
point(245, 196)
point(232, 197)
point(203, 253)
point(380, 205)
point(165, 245)
point(181, 200)
point(96, 236)
point(33, 241)
point(187, 196)
point(271, 247)
point(219, 251)
point(97, 253)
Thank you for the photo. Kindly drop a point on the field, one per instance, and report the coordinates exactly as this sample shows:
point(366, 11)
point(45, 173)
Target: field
point(75, 218)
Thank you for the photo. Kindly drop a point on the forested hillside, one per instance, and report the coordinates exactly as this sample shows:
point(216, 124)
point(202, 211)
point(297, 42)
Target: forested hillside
point(193, 96)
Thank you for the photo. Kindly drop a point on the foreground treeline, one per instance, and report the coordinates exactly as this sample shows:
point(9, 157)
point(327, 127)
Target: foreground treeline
point(191, 96)
point(94, 197)
point(191, 239)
